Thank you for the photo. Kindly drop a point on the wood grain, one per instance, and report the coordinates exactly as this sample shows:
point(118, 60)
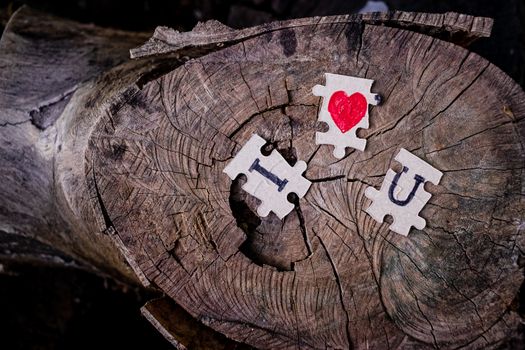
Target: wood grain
point(328, 276)
point(44, 60)
point(207, 36)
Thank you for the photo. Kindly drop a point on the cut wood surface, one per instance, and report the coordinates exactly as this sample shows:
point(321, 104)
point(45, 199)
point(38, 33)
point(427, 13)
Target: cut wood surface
point(328, 275)
point(137, 157)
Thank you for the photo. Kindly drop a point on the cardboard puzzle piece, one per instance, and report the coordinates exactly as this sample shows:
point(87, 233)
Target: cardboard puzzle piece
point(269, 178)
point(403, 195)
point(344, 108)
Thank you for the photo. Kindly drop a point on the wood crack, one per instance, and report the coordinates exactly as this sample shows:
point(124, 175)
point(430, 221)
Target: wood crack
point(466, 88)
point(14, 123)
point(103, 210)
point(409, 288)
point(341, 292)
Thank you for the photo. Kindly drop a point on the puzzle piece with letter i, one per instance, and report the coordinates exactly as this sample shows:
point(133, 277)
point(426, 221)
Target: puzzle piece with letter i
point(403, 195)
point(344, 108)
point(269, 178)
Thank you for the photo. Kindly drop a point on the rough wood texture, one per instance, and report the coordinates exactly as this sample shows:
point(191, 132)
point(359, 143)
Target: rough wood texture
point(454, 27)
point(131, 169)
point(19, 249)
point(182, 330)
point(44, 60)
point(48, 64)
point(328, 275)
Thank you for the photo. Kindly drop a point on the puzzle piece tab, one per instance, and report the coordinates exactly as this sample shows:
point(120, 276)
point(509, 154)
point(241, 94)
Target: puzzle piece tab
point(269, 178)
point(345, 109)
point(403, 195)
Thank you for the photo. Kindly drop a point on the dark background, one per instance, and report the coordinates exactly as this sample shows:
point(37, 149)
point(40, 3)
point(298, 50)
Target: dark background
point(51, 307)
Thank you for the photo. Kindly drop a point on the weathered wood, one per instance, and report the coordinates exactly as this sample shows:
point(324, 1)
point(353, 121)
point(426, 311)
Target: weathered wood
point(44, 60)
point(182, 330)
point(132, 170)
point(454, 27)
point(48, 63)
point(328, 275)
point(18, 249)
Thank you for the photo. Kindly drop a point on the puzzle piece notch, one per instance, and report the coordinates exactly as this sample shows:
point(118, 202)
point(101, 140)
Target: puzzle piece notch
point(404, 216)
point(269, 178)
point(418, 166)
point(403, 195)
point(334, 136)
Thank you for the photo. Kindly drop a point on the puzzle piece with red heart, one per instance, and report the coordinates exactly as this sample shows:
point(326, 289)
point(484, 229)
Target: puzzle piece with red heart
point(344, 108)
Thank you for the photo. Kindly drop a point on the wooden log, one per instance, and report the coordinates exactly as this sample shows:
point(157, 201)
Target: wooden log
point(44, 61)
point(338, 279)
point(130, 170)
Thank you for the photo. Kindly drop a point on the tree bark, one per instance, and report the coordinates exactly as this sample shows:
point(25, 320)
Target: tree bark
point(119, 164)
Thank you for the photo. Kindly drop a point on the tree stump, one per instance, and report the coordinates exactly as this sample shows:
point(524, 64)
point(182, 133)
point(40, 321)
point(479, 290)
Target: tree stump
point(140, 152)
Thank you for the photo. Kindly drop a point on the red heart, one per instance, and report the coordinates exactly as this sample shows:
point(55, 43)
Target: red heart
point(347, 111)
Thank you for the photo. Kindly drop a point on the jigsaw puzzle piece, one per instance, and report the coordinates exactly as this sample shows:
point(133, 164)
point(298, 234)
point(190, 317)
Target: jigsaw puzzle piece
point(296, 182)
point(278, 204)
point(403, 216)
point(344, 108)
point(269, 178)
point(245, 157)
point(402, 223)
point(402, 195)
point(324, 138)
point(417, 165)
point(335, 82)
point(320, 90)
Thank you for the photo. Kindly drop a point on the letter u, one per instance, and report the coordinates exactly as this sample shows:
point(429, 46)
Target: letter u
point(418, 181)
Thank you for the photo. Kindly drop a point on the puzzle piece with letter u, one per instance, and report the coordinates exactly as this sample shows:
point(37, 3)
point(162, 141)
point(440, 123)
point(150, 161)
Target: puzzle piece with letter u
point(403, 195)
point(345, 109)
point(269, 178)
